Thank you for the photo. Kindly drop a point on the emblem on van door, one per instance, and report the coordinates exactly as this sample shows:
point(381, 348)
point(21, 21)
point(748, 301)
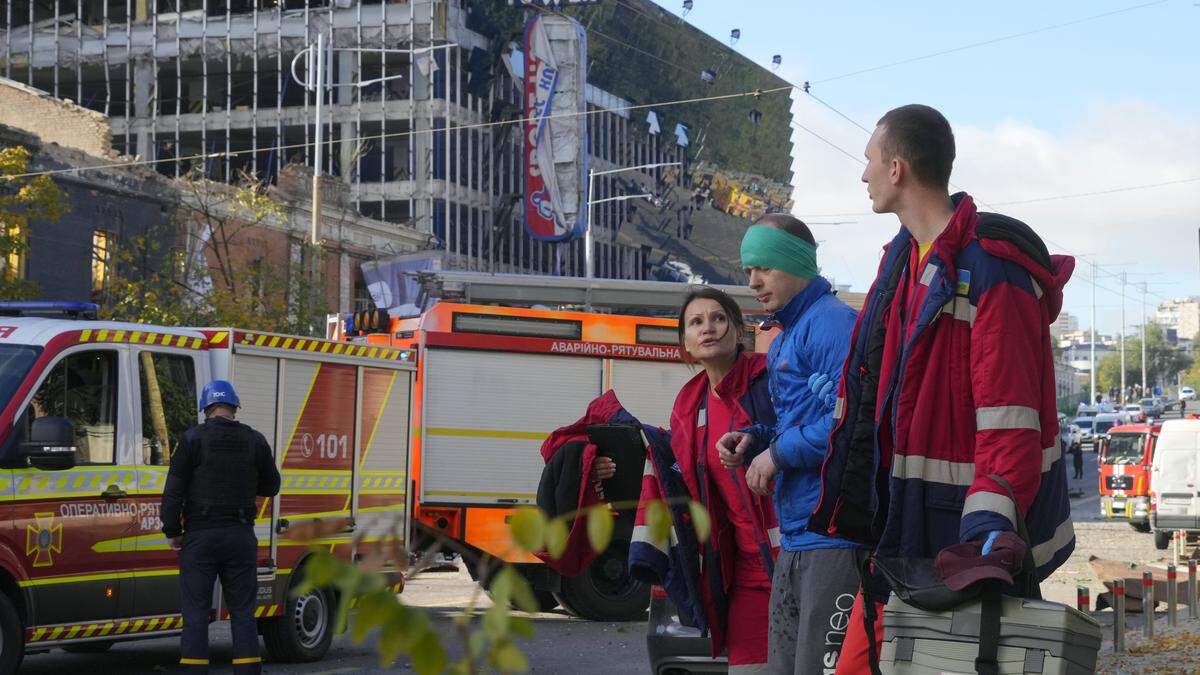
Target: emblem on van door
point(43, 539)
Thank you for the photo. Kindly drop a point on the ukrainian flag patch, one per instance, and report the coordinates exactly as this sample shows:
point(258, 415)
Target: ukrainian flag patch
point(964, 282)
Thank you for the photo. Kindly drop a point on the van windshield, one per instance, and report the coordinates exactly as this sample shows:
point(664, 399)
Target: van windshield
point(1125, 449)
point(1102, 427)
point(1083, 422)
point(15, 361)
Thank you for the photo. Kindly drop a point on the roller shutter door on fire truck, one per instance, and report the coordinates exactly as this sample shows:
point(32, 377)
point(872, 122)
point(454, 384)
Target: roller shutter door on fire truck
point(486, 416)
point(648, 389)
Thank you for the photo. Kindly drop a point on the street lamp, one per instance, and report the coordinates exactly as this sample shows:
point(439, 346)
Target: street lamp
point(315, 57)
point(588, 238)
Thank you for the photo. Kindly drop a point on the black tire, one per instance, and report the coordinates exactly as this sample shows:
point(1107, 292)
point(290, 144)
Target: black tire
point(1162, 539)
point(304, 631)
point(1140, 527)
point(90, 647)
point(12, 637)
point(546, 600)
point(605, 591)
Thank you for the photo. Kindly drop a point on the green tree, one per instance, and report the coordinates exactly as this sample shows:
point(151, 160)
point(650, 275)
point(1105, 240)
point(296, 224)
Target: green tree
point(1163, 362)
point(24, 201)
point(195, 269)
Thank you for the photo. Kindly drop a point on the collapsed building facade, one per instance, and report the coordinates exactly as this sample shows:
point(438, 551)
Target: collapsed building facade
point(423, 136)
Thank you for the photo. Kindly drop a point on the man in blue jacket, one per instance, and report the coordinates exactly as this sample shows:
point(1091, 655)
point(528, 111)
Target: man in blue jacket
point(815, 580)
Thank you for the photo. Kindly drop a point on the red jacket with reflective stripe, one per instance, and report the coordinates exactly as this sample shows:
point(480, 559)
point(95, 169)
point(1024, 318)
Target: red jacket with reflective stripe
point(970, 393)
point(746, 384)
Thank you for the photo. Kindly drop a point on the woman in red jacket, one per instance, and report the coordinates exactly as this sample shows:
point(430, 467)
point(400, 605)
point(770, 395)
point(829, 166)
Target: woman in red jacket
point(731, 393)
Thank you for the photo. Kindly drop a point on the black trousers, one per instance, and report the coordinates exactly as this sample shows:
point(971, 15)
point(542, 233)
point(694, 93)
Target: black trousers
point(229, 553)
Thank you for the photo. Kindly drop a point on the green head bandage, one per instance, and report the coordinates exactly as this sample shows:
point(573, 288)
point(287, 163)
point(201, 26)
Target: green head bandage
point(772, 248)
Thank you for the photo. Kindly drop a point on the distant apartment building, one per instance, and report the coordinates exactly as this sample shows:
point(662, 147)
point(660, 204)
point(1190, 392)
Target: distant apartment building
point(1181, 315)
point(1065, 323)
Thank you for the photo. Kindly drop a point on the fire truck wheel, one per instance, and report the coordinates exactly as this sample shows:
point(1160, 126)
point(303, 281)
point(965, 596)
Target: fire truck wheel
point(605, 591)
point(1162, 539)
point(12, 637)
point(1140, 527)
point(304, 631)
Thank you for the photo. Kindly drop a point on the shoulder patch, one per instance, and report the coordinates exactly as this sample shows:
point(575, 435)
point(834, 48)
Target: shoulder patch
point(964, 282)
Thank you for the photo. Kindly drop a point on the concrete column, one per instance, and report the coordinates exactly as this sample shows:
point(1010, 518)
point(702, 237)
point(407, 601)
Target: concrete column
point(143, 98)
point(347, 72)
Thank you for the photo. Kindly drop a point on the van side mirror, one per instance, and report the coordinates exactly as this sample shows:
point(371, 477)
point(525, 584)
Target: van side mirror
point(50, 445)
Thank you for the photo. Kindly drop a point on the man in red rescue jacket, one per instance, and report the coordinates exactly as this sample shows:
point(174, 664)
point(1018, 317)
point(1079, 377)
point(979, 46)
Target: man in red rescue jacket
point(950, 377)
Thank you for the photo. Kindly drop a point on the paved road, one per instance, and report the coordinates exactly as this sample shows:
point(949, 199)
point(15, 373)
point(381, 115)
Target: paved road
point(562, 644)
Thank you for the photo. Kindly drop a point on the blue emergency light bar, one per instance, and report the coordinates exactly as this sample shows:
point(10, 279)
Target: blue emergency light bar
point(73, 310)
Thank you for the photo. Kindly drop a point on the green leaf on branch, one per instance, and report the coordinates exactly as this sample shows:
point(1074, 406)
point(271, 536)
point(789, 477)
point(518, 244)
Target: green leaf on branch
point(658, 520)
point(528, 527)
point(599, 527)
point(476, 644)
point(521, 627)
point(508, 658)
point(495, 621)
point(429, 658)
point(700, 521)
point(373, 610)
point(556, 537)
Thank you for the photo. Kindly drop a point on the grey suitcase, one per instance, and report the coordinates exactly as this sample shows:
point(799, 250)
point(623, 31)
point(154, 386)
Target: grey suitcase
point(1035, 637)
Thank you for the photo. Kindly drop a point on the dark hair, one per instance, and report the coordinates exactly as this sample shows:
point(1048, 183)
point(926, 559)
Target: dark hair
point(922, 137)
point(736, 320)
point(790, 224)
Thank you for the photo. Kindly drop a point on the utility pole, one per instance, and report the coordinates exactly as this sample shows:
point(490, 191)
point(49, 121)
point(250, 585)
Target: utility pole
point(1092, 400)
point(1121, 337)
point(1144, 390)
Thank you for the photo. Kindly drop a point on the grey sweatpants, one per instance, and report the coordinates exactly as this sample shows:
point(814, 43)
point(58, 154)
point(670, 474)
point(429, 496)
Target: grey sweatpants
point(812, 594)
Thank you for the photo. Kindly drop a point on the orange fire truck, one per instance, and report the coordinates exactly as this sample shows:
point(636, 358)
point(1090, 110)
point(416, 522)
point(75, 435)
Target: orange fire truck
point(90, 412)
point(1125, 458)
point(495, 376)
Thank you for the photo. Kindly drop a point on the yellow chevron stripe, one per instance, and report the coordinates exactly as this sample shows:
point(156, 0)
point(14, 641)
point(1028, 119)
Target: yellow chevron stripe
point(260, 340)
point(312, 346)
point(102, 335)
point(85, 335)
point(55, 633)
point(90, 629)
point(325, 346)
point(150, 626)
point(37, 634)
point(137, 626)
point(295, 426)
point(274, 341)
point(107, 627)
point(258, 612)
point(218, 338)
point(287, 344)
point(196, 342)
point(122, 627)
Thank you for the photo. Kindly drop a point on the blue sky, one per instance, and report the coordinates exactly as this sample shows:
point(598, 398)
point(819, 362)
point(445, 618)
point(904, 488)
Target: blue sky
point(1101, 104)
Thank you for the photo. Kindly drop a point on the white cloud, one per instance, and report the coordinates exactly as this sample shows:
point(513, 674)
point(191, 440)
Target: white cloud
point(1114, 144)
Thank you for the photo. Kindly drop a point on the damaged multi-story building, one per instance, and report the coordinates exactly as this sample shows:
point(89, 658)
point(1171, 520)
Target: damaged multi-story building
point(420, 120)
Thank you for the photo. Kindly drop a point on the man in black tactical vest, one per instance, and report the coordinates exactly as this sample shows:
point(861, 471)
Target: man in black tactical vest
point(208, 512)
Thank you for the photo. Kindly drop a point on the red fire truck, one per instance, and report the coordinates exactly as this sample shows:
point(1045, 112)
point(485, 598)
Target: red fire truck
point(1125, 457)
point(83, 563)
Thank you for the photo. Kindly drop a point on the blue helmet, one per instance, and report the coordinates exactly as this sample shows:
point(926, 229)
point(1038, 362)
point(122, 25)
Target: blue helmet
point(219, 391)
